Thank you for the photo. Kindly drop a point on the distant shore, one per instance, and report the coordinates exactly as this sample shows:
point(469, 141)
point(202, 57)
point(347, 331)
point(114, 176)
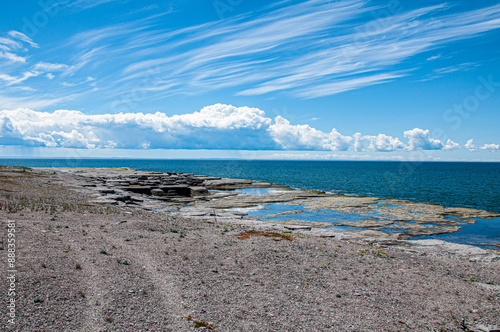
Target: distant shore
point(89, 259)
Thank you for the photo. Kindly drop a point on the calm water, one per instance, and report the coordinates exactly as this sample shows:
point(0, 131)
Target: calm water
point(473, 185)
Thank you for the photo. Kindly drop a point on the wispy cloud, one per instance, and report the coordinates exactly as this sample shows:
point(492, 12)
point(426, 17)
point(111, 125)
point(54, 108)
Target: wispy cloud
point(21, 36)
point(12, 57)
point(327, 55)
point(16, 80)
point(304, 49)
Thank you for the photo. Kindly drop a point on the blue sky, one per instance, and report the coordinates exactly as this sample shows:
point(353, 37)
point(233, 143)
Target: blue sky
point(352, 79)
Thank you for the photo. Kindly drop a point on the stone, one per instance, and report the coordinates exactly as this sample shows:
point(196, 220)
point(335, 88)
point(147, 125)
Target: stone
point(294, 228)
point(199, 191)
point(182, 190)
point(139, 190)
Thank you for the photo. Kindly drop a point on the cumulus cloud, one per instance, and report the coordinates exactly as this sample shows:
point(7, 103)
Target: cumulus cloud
point(213, 127)
point(383, 142)
point(420, 139)
point(358, 143)
point(470, 145)
point(304, 137)
point(450, 145)
point(216, 126)
point(491, 147)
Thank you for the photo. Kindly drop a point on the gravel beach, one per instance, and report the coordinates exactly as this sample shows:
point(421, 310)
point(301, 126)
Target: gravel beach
point(82, 265)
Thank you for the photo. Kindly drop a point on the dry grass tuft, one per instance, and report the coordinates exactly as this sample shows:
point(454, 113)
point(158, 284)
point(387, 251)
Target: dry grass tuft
point(199, 323)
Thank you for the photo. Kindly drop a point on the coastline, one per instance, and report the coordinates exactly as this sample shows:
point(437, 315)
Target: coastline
point(200, 196)
point(192, 264)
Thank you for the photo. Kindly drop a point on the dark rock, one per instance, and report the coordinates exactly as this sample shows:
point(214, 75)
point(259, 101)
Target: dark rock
point(181, 189)
point(139, 190)
point(294, 228)
point(157, 192)
point(106, 191)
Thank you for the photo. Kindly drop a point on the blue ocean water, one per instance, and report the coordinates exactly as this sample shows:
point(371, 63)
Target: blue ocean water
point(473, 185)
point(455, 184)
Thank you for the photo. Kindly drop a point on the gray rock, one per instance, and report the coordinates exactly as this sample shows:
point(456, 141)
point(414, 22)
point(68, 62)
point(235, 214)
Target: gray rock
point(199, 191)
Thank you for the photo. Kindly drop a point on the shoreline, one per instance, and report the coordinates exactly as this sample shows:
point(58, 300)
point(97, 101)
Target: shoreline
point(381, 218)
point(86, 266)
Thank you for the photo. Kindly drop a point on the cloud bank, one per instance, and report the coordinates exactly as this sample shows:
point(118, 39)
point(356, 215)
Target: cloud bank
point(217, 126)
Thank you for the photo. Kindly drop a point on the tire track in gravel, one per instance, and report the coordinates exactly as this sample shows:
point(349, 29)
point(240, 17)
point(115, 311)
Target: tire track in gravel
point(146, 265)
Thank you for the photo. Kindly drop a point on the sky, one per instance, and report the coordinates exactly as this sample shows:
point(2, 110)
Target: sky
point(326, 80)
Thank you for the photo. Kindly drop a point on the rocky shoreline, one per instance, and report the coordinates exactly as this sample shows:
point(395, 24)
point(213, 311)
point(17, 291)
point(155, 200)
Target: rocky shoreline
point(202, 197)
point(93, 255)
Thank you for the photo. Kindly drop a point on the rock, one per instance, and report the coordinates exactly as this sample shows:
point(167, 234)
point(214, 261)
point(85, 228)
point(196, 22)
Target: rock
point(199, 191)
point(157, 192)
point(227, 184)
point(180, 189)
point(294, 228)
point(139, 190)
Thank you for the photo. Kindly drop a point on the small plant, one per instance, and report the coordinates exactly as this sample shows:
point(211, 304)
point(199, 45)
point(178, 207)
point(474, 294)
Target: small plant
point(128, 239)
point(123, 261)
point(82, 294)
point(78, 266)
point(38, 299)
point(174, 230)
point(199, 323)
point(140, 235)
point(103, 251)
point(43, 265)
point(108, 319)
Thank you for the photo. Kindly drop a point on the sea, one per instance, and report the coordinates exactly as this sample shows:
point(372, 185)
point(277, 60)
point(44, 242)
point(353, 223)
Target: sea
point(451, 184)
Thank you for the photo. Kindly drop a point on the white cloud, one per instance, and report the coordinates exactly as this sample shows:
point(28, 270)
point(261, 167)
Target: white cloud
point(420, 139)
point(265, 52)
point(12, 57)
point(434, 57)
point(450, 145)
point(9, 44)
point(470, 145)
point(304, 137)
point(46, 66)
point(384, 143)
point(11, 80)
point(8, 102)
point(491, 147)
point(358, 143)
point(21, 36)
point(219, 126)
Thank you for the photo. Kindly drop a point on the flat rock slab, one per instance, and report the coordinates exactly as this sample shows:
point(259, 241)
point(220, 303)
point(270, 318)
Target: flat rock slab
point(295, 228)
